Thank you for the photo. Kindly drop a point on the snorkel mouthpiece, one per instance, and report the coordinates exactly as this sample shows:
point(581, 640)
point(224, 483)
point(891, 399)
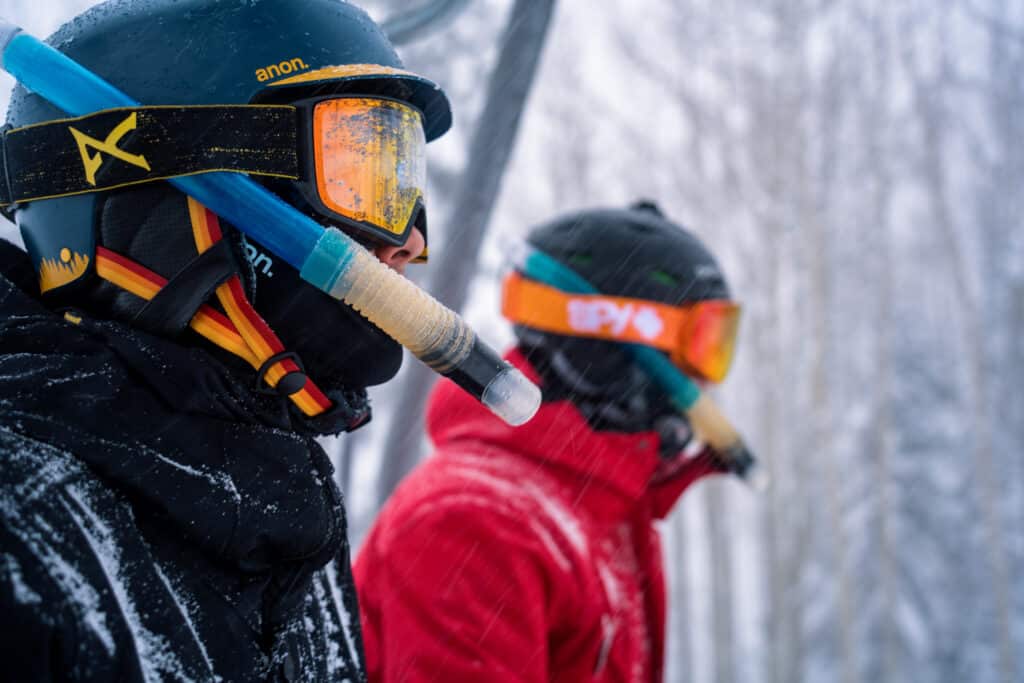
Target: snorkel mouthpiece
point(326, 257)
point(432, 332)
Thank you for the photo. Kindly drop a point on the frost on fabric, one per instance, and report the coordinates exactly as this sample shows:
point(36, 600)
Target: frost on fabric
point(218, 479)
point(608, 629)
point(334, 662)
point(39, 538)
point(507, 492)
point(22, 593)
point(346, 617)
point(627, 606)
point(156, 660)
point(561, 515)
point(549, 543)
point(507, 487)
point(82, 594)
point(611, 585)
point(180, 604)
point(74, 377)
point(52, 473)
point(506, 479)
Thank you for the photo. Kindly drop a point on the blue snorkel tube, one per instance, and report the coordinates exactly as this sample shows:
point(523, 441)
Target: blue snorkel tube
point(325, 257)
point(708, 422)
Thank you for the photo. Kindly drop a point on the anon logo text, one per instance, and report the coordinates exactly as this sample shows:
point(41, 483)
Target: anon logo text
point(259, 260)
point(598, 315)
point(280, 69)
point(92, 162)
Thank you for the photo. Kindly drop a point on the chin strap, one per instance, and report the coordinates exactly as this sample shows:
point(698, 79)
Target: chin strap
point(242, 332)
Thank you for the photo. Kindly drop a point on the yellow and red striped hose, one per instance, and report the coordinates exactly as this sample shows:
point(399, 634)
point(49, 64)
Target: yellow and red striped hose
point(243, 332)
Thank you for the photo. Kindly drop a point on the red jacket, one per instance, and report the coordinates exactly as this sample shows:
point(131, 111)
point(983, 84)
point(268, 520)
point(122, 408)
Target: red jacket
point(520, 554)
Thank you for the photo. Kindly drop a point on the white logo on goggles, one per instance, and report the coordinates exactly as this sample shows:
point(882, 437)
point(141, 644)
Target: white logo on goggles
point(594, 316)
point(648, 323)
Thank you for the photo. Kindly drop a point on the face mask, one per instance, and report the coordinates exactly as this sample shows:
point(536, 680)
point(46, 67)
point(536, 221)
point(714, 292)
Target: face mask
point(339, 347)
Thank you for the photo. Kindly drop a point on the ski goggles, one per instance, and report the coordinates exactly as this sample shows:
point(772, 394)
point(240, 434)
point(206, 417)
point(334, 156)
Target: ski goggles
point(699, 337)
point(366, 165)
point(358, 161)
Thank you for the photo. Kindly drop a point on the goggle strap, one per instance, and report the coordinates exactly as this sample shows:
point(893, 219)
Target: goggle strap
point(122, 147)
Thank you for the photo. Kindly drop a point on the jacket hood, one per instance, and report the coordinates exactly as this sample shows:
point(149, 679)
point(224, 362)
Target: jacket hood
point(169, 427)
point(613, 472)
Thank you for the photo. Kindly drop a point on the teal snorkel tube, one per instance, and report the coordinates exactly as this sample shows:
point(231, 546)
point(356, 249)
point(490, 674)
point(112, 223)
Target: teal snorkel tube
point(708, 422)
point(325, 257)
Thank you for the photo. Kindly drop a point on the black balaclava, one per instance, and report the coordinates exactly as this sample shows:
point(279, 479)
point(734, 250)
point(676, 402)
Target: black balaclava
point(340, 350)
point(340, 347)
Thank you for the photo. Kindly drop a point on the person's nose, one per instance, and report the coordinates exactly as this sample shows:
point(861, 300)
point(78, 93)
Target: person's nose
point(397, 258)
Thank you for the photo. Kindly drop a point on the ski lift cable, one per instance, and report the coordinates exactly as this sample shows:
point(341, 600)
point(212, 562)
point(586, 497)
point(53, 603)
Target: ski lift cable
point(422, 21)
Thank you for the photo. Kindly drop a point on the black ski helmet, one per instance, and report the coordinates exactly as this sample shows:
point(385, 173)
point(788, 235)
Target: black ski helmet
point(222, 52)
point(634, 252)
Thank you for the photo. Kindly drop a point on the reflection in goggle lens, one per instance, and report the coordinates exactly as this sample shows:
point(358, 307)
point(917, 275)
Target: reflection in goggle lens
point(370, 163)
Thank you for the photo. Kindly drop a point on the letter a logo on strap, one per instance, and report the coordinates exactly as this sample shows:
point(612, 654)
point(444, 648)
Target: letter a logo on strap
point(92, 162)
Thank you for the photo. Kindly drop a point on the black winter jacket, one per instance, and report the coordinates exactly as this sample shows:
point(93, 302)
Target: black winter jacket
point(159, 520)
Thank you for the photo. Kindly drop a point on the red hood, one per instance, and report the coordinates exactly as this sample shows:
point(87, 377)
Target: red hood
point(610, 472)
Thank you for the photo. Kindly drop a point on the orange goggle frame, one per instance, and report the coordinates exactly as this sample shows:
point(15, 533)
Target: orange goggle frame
point(699, 337)
point(367, 165)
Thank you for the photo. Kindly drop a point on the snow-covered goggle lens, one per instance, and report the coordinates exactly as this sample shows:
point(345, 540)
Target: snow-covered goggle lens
point(369, 157)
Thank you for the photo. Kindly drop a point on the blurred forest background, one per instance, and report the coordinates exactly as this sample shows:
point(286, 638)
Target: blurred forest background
point(858, 167)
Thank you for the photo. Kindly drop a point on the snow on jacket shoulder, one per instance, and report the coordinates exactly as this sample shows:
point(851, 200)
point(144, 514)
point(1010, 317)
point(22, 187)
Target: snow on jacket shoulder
point(65, 595)
point(518, 554)
point(156, 523)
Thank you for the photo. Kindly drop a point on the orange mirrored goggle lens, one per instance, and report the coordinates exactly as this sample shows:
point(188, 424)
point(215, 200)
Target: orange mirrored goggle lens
point(707, 338)
point(699, 337)
point(370, 161)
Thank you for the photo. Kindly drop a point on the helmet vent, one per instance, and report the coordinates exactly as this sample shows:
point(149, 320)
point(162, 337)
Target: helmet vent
point(664, 278)
point(581, 259)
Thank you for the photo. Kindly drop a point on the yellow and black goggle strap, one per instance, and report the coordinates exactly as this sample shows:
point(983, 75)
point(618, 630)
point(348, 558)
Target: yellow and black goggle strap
point(128, 146)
